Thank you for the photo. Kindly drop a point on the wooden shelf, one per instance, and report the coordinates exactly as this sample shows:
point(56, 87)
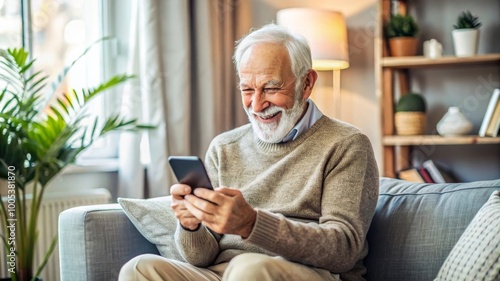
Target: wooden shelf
point(421, 61)
point(438, 140)
point(394, 76)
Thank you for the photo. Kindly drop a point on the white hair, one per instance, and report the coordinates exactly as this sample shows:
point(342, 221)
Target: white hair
point(296, 45)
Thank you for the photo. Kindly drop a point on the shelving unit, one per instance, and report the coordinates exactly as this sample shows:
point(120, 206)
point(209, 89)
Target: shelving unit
point(393, 76)
point(437, 140)
point(421, 61)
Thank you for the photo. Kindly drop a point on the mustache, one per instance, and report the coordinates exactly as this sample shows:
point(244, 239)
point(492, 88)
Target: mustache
point(268, 112)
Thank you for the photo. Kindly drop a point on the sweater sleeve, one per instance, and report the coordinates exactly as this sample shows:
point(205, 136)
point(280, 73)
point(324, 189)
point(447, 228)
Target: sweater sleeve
point(337, 241)
point(199, 247)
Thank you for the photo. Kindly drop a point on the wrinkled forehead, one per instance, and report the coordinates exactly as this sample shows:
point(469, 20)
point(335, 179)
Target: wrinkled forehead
point(265, 58)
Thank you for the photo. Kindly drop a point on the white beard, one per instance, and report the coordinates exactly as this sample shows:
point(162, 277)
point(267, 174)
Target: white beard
point(276, 131)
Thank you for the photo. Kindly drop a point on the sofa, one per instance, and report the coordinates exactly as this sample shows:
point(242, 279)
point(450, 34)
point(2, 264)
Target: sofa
point(418, 230)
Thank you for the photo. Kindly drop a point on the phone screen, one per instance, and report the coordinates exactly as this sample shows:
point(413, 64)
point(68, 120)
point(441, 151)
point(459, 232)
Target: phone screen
point(190, 170)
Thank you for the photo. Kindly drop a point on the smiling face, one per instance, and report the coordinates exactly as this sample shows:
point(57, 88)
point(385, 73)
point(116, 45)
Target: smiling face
point(268, 93)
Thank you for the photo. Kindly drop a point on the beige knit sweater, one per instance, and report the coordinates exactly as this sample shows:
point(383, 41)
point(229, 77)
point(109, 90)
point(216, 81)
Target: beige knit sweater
point(315, 198)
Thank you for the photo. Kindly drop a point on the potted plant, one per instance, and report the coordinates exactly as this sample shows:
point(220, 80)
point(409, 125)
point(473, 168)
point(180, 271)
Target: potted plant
point(410, 117)
point(401, 32)
point(466, 34)
point(40, 134)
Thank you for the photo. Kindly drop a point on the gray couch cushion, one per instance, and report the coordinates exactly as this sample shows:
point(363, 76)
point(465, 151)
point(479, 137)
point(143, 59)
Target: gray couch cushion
point(476, 256)
point(155, 220)
point(416, 226)
point(95, 241)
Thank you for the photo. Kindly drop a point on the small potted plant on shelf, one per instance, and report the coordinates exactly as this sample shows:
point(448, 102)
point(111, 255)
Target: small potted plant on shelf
point(401, 32)
point(466, 34)
point(410, 117)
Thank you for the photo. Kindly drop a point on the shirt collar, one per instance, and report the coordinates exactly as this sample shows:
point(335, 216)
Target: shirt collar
point(312, 115)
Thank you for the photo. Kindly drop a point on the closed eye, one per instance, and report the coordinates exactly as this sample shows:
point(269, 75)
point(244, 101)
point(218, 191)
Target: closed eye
point(271, 90)
point(247, 91)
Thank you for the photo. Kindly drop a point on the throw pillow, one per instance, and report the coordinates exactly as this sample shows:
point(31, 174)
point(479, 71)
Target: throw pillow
point(476, 254)
point(155, 220)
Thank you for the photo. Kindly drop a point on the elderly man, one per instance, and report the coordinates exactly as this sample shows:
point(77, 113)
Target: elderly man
point(296, 190)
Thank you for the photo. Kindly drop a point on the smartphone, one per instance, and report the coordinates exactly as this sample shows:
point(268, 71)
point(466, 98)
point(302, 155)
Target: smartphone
point(190, 170)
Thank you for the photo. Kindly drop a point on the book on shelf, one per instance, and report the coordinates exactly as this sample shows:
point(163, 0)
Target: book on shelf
point(489, 124)
point(494, 125)
point(438, 174)
point(411, 174)
point(425, 174)
point(416, 174)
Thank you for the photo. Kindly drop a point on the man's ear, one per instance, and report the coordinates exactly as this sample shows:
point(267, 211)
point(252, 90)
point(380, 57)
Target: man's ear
point(309, 82)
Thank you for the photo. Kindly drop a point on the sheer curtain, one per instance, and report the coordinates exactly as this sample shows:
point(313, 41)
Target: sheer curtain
point(186, 85)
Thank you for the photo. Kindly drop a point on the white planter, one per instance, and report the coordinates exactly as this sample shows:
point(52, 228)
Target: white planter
point(465, 41)
point(454, 123)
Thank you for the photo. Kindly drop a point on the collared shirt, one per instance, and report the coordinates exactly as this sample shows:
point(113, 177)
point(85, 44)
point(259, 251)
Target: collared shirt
point(312, 115)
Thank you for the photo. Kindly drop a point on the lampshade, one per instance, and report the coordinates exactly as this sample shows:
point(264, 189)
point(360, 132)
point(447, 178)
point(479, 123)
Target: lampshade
point(325, 31)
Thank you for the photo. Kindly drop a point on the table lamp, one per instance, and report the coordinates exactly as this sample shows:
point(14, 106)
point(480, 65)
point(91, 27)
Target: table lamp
point(326, 33)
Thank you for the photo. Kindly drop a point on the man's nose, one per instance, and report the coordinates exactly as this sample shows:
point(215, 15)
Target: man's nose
point(259, 101)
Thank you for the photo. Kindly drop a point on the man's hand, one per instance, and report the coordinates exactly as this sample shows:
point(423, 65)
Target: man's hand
point(224, 210)
point(187, 220)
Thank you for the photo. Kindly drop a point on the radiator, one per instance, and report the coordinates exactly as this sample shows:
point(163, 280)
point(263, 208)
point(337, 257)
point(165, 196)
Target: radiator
point(53, 204)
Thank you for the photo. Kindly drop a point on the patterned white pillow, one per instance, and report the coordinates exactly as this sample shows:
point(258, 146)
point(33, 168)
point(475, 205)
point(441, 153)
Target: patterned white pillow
point(155, 220)
point(476, 255)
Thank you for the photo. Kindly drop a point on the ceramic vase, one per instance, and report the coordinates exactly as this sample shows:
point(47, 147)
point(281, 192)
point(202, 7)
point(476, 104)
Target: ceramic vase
point(454, 123)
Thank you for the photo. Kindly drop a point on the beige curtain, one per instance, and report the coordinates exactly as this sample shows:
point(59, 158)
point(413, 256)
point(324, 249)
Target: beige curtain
point(181, 52)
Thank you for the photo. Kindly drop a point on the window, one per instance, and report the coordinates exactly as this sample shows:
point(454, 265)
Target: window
point(10, 24)
point(59, 31)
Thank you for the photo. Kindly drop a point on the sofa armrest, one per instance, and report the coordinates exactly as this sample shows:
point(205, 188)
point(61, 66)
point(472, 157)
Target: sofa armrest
point(95, 241)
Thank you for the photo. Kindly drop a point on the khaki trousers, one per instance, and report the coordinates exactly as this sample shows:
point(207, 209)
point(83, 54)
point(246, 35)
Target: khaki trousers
point(244, 267)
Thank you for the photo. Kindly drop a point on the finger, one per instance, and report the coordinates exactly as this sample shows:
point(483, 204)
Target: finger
point(186, 215)
point(228, 191)
point(178, 205)
point(195, 212)
point(201, 204)
point(200, 208)
point(209, 195)
point(190, 223)
point(179, 190)
point(181, 214)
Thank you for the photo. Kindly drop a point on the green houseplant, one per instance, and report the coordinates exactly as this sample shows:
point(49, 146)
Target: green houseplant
point(410, 117)
point(40, 134)
point(401, 31)
point(466, 34)
point(466, 20)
